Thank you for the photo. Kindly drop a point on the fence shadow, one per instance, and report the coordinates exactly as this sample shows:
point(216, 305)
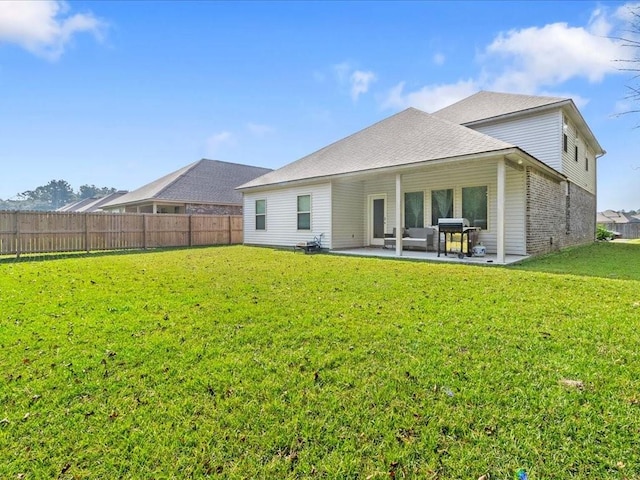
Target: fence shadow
point(53, 256)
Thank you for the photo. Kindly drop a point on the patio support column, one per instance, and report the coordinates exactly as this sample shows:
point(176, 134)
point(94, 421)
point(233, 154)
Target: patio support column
point(398, 215)
point(155, 208)
point(501, 171)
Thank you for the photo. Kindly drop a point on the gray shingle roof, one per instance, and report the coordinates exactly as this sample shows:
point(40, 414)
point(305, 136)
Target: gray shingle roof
point(611, 216)
point(204, 181)
point(485, 105)
point(411, 136)
point(91, 204)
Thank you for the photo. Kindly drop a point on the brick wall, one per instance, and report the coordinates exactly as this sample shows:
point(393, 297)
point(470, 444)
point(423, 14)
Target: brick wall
point(214, 209)
point(555, 219)
point(546, 209)
point(582, 216)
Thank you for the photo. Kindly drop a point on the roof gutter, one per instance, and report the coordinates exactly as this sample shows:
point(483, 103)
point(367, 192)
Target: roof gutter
point(512, 151)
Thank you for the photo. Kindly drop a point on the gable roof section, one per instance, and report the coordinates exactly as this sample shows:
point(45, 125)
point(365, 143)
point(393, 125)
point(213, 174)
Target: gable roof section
point(204, 181)
point(489, 105)
point(411, 136)
point(486, 106)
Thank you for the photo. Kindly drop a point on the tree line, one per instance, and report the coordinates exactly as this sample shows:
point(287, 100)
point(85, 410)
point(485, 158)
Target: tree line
point(52, 196)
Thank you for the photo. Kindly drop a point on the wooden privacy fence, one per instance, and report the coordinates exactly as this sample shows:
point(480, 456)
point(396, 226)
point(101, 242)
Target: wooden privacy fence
point(46, 232)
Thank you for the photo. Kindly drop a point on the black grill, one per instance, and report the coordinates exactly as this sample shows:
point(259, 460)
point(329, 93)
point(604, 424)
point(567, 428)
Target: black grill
point(449, 226)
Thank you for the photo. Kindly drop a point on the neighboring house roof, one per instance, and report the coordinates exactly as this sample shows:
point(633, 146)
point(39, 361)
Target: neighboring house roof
point(74, 206)
point(484, 107)
point(611, 216)
point(91, 204)
point(411, 136)
point(205, 181)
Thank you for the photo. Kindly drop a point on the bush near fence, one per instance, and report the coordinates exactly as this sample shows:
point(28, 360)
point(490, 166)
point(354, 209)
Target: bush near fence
point(626, 230)
point(49, 232)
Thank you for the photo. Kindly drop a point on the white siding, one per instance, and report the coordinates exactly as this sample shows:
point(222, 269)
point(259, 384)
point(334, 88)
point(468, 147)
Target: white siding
point(281, 216)
point(347, 225)
point(539, 135)
point(348, 217)
point(383, 185)
point(515, 212)
point(456, 177)
point(574, 169)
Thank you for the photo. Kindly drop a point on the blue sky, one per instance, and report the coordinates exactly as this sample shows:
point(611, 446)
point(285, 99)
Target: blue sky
point(120, 93)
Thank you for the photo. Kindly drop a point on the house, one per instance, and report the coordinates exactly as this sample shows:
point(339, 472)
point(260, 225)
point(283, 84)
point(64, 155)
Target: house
point(92, 204)
point(611, 216)
point(521, 168)
point(202, 187)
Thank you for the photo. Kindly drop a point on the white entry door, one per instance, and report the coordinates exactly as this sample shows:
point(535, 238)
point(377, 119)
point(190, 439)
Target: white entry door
point(377, 219)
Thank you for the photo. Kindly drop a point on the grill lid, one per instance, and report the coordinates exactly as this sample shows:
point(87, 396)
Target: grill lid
point(453, 222)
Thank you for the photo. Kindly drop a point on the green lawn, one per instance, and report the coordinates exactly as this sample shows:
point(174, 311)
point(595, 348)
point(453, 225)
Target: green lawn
point(240, 362)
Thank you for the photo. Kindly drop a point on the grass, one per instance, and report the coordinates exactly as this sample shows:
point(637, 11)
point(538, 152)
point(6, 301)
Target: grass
point(240, 362)
point(614, 260)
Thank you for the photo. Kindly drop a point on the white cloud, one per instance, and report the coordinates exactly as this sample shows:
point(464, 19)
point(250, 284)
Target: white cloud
point(625, 12)
point(44, 28)
point(431, 97)
point(259, 130)
point(217, 140)
point(439, 59)
point(360, 82)
point(534, 60)
point(537, 57)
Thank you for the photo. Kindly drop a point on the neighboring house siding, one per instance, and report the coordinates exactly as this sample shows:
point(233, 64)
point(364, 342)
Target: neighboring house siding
point(546, 213)
point(214, 209)
point(348, 221)
point(538, 135)
point(281, 216)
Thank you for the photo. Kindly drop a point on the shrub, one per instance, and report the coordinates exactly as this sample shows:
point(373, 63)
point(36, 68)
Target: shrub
point(603, 234)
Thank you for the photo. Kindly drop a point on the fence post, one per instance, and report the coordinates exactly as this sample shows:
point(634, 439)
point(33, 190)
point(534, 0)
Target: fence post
point(190, 231)
point(86, 231)
point(230, 231)
point(144, 231)
point(18, 246)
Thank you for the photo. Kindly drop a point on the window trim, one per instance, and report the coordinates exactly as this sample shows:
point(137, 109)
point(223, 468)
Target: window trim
point(264, 215)
point(404, 205)
point(303, 212)
point(434, 221)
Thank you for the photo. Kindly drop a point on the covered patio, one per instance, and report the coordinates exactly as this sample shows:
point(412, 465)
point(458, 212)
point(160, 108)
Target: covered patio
point(418, 255)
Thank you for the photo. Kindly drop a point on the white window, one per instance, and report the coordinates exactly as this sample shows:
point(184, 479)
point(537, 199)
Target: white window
point(261, 214)
point(304, 212)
